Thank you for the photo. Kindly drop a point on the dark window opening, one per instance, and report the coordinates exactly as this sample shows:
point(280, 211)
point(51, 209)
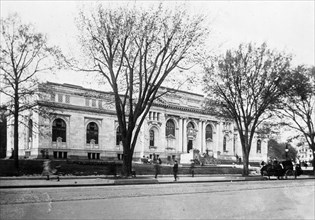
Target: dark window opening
point(209, 132)
point(92, 133)
point(151, 138)
point(259, 146)
point(59, 130)
point(30, 129)
point(224, 143)
point(118, 136)
point(170, 128)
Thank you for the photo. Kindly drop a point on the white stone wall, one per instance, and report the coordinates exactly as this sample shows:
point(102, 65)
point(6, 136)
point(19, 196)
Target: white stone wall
point(73, 108)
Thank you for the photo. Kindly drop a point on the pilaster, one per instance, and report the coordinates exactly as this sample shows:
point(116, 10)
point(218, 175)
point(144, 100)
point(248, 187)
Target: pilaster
point(184, 135)
point(180, 135)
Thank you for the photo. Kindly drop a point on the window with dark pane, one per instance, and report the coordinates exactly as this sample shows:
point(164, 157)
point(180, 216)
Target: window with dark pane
point(92, 133)
point(209, 132)
point(30, 129)
point(258, 146)
point(224, 143)
point(170, 128)
point(151, 138)
point(59, 130)
point(118, 136)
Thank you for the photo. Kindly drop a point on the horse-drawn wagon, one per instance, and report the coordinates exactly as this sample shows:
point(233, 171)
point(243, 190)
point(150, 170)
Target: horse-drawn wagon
point(281, 169)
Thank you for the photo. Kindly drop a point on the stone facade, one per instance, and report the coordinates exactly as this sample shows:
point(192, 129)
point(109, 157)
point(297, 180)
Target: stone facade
point(84, 125)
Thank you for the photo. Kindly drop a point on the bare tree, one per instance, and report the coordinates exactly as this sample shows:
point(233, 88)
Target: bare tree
point(23, 55)
point(135, 50)
point(248, 82)
point(298, 111)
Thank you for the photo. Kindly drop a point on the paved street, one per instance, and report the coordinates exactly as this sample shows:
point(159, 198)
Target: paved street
point(287, 199)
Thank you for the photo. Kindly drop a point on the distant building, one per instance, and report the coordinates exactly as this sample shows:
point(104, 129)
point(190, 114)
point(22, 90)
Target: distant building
point(305, 153)
point(84, 125)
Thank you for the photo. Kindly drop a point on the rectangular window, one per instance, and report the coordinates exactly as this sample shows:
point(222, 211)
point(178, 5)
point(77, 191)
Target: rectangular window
point(53, 97)
point(100, 104)
point(59, 98)
point(59, 154)
point(89, 156)
point(87, 102)
point(98, 156)
point(150, 113)
point(67, 98)
point(65, 155)
point(93, 102)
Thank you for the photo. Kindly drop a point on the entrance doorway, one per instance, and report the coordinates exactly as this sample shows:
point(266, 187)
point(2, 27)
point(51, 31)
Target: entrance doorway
point(189, 145)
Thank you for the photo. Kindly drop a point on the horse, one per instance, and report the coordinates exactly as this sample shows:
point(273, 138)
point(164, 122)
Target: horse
point(284, 168)
point(277, 169)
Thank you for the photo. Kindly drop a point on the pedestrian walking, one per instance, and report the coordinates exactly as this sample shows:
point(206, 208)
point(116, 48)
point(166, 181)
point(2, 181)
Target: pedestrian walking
point(175, 170)
point(157, 167)
point(47, 171)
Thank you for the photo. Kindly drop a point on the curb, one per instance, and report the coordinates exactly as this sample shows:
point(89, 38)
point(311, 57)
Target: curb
point(131, 182)
point(144, 181)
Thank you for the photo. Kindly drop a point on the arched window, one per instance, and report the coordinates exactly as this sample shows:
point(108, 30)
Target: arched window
point(92, 133)
point(209, 132)
point(151, 138)
point(259, 146)
point(224, 143)
point(118, 136)
point(59, 130)
point(190, 125)
point(170, 128)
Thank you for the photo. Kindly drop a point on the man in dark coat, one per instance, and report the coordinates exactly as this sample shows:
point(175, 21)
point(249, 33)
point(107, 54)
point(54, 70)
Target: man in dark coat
point(175, 170)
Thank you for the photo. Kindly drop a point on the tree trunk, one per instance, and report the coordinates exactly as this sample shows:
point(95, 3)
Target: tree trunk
point(16, 131)
point(245, 162)
point(313, 163)
point(127, 162)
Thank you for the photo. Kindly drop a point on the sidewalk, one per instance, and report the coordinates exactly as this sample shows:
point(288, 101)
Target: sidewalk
point(76, 181)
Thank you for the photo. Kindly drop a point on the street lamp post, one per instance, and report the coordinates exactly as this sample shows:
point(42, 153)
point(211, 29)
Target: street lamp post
point(286, 152)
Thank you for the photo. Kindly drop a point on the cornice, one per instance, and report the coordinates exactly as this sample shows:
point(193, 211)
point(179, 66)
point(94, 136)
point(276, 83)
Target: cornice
point(75, 107)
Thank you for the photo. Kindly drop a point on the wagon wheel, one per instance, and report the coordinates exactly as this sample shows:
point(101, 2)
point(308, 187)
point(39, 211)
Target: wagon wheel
point(289, 173)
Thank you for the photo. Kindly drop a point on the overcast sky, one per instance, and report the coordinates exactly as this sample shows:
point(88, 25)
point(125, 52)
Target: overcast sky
point(285, 25)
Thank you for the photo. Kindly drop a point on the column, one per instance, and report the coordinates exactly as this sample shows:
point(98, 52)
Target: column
point(217, 147)
point(184, 135)
point(180, 135)
point(200, 136)
point(204, 144)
